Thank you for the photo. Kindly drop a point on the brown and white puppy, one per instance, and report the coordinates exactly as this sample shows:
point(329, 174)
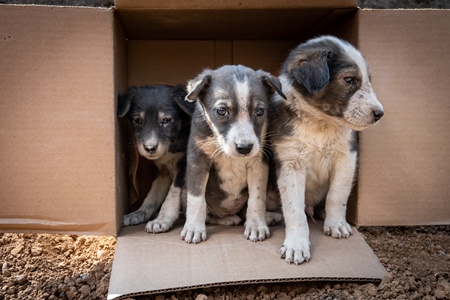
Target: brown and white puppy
point(329, 97)
point(226, 164)
point(161, 133)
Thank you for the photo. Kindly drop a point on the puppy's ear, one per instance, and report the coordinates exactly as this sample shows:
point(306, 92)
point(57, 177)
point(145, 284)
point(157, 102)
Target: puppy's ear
point(273, 83)
point(197, 85)
point(125, 100)
point(312, 70)
point(179, 94)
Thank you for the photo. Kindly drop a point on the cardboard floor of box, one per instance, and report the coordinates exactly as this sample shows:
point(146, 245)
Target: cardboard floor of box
point(148, 263)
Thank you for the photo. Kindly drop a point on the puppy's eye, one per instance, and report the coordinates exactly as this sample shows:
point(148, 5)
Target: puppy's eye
point(165, 121)
point(259, 112)
point(138, 120)
point(350, 80)
point(222, 111)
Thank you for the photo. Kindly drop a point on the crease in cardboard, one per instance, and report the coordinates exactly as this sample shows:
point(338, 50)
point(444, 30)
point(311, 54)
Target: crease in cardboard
point(43, 225)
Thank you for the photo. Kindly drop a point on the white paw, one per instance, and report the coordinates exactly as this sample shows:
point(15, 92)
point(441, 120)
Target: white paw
point(337, 227)
point(256, 231)
point(193, 232)
point(137, 217)
point(157, 226)
point(273, 218)
point(296, 250)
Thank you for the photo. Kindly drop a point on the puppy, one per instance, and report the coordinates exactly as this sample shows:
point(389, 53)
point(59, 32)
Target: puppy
point(161, 132)
point(226, 165)
point(329, 97)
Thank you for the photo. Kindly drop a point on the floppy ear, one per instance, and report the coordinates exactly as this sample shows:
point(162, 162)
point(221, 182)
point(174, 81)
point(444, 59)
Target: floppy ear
point(125, 100)
point(312, 71)
point(179, 94)
point(195, 86)
point(273, 83)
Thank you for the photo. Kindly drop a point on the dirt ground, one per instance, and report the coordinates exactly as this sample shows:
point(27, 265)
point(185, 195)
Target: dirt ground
point(45, 266)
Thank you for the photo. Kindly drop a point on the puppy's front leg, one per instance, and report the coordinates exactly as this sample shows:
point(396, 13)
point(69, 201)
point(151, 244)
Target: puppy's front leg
point(336, 202)
point(151, 203)
point(255, 226)
point(169, 212)
point(197, 174)
point(291, 183)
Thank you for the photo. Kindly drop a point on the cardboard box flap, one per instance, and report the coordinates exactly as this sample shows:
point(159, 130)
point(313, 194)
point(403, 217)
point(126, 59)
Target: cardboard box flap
point(404, 170)
point(166, 263)
point(222, 20)
point(57, 120)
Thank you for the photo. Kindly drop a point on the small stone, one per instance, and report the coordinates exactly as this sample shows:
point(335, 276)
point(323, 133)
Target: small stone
point(35, 251)
point(71, 293)
point(372, 291)
point(199, 297)
point(5, 266)
point(85, 290)
point(11, 290)
point(101, 254)
point(30, 268)
point(17, 249)
point(63, 287)
point(19, 279)
point(442, 290)
point(261, 289)
point(6, 272)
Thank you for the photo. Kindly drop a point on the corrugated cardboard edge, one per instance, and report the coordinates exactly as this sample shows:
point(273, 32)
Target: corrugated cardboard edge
point(246, 282)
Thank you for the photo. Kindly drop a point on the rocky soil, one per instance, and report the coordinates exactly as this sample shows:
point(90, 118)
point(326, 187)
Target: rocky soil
point(45, 266)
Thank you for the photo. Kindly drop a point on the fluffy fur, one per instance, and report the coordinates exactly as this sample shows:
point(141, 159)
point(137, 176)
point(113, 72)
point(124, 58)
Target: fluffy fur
point(329, 97)
point(227, 168)
point(161, 132)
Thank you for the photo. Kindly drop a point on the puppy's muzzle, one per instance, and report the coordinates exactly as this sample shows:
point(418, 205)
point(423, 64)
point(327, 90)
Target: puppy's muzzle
point(244, 149)
point(151, 148)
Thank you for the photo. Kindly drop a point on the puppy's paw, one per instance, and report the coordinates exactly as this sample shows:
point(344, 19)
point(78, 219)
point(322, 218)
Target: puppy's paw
point(157, 226)
point(193, 233)
point(296, 250)
point(136, 217)
point(256, 231)
point(337, 227)
point(273, 218)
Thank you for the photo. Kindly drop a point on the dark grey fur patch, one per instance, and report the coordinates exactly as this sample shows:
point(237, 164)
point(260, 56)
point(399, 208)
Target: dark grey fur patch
point(315, 71)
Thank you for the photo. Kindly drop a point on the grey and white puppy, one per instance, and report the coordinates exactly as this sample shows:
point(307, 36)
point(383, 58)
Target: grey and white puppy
point(226, 164)
point(161, 132)
point(329, 97)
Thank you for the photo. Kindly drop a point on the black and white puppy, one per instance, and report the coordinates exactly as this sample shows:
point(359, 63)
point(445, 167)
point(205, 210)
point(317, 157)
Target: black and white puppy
point(329, 97)
point(226, 164)
point(161, 132)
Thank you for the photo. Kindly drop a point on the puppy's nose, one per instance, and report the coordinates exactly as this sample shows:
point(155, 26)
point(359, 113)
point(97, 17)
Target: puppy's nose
point(244, 148)
point(377, 114)
point(150, 148)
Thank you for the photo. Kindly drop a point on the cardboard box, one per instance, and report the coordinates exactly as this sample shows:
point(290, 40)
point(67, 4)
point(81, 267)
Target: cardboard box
point(62, 167)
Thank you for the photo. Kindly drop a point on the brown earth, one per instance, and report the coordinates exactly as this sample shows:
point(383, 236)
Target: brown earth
point(45, 266)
